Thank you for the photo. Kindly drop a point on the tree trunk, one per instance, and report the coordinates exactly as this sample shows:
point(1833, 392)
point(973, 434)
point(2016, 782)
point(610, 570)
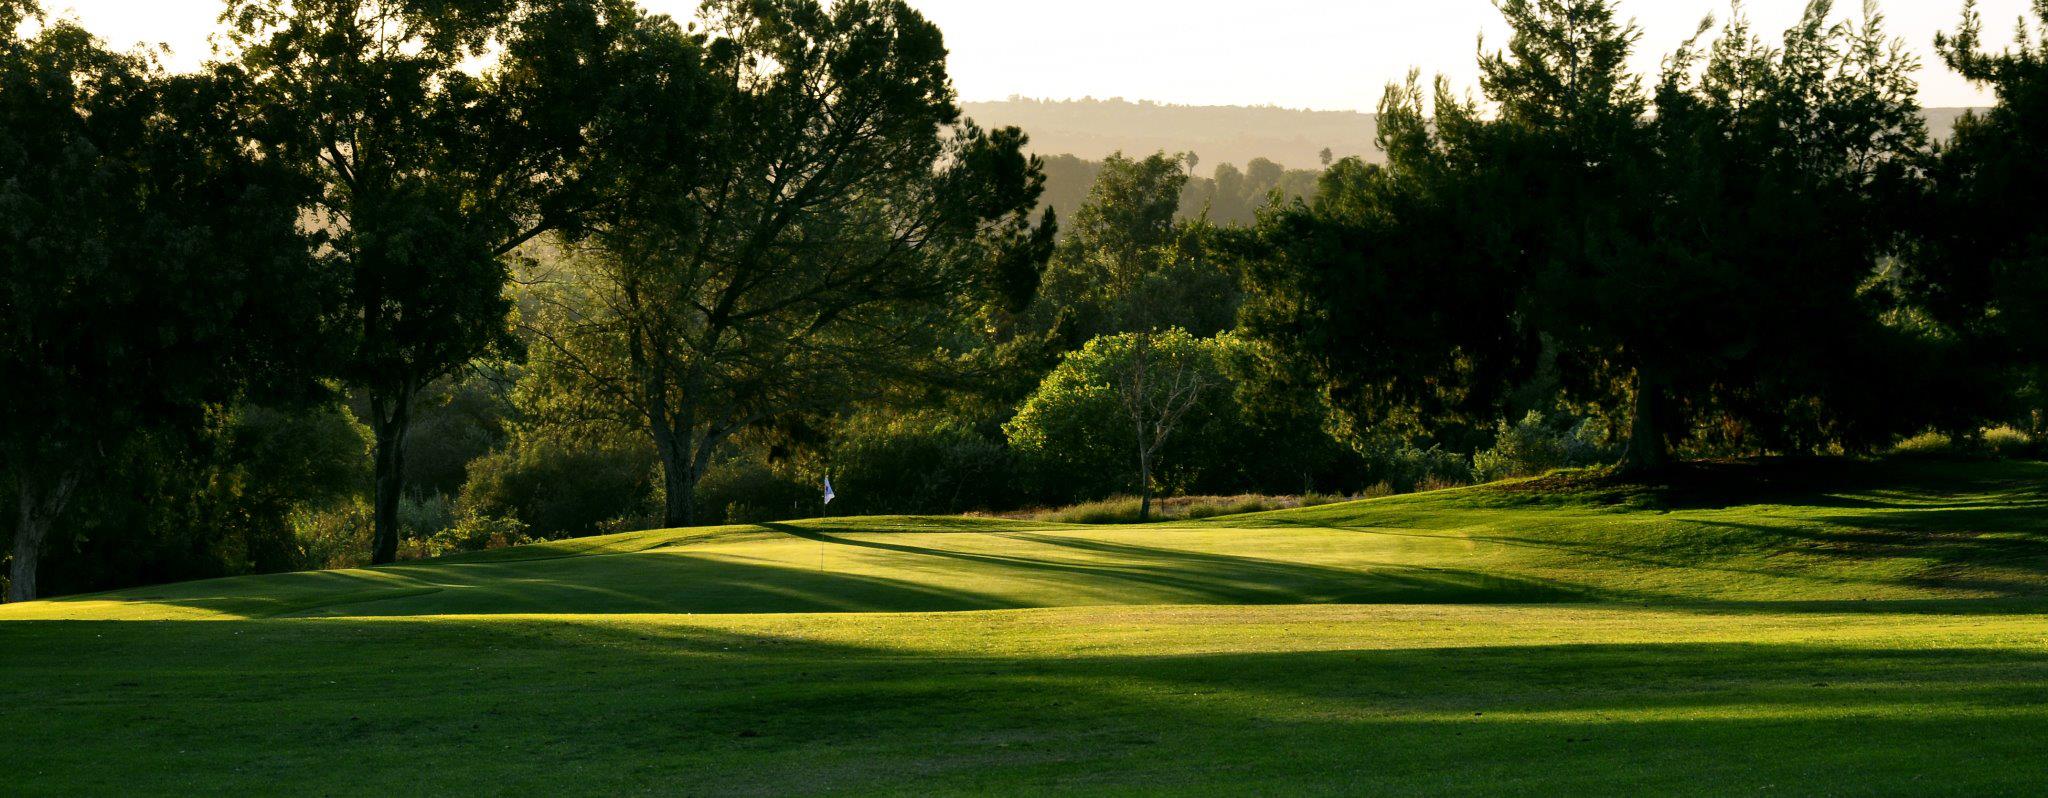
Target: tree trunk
point(393, 417)
point(678, 478)
point(1144, 489)
point(1646, 451)
point(38, 512)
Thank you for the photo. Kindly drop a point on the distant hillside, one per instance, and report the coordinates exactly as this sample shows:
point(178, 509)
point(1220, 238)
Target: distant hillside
point(1941, 122)
point(1092, 129)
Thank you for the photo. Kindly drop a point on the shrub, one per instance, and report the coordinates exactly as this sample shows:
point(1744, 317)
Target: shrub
point(561, 484)
point(472, 533)
point(1113, 510)
point(1926, 443)
point(1124, 509)
point(745, 488)
point(336, 537)
point(1075, 437)
point(1405, 468)
point(2008, 442)
point(1540, 444)
point(926, 463)
point(425, 516)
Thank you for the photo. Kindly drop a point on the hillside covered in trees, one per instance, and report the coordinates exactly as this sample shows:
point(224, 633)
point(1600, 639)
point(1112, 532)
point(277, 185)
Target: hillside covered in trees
point(1241, 154)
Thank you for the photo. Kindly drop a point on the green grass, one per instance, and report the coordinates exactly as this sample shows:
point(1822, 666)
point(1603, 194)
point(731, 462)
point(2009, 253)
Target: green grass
point(1808, 628)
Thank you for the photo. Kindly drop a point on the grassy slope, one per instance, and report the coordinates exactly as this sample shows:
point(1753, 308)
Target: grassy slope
point(1875, 632)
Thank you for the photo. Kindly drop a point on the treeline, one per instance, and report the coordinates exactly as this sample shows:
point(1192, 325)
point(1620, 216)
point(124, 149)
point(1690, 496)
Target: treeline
point(1230, 196)
point(1093, 129)
point(347, 296)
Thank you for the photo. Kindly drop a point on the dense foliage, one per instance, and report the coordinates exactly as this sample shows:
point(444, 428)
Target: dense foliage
point(391, 279)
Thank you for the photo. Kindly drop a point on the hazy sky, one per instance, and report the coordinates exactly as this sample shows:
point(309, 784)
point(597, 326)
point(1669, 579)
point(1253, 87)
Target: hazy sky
point(1322, 54)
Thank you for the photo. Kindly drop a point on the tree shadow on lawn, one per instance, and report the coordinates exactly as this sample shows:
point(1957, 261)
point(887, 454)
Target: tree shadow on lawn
point(1980, 531)
point(1179, 576)
point(1069, 572)
point(2000, 549)
point(1805, 481)
point(608, 707)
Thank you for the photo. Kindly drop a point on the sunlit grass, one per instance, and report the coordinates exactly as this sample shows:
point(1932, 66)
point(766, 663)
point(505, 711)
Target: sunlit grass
point(1877, 632)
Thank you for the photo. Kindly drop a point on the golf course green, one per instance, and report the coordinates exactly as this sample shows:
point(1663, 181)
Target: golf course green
point(1786, 628)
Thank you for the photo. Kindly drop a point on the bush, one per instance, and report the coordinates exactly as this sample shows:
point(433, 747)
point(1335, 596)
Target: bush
point(336, 537)
point(1925, 444)
point(561, 483)
point(745, 488)
point(1074, 436)
point(1540, 444)
point(1404, 468)
point(472, 533)
point(1124, 509)
point(422, 517)
point(1113, 510)
point(2008, 442)
point(922, 463)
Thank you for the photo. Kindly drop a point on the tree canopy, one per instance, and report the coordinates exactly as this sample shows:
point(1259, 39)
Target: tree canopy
point(151, 266)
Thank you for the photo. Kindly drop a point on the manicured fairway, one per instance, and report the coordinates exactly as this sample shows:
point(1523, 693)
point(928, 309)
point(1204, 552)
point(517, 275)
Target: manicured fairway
point(1879, 631)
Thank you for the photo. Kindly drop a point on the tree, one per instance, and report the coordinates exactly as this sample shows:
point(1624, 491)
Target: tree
point(1570, 142)
point(1981, 267)
point(1136, 404)
point(1709, 261)
point(1778, 177)
point(1388, 290)
point(1108, 275)
point(149, 268)
point(429, 173)
point(839, 219)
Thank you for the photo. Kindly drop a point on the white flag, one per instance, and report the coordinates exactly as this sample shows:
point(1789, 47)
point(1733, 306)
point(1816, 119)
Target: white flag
point(829, 495)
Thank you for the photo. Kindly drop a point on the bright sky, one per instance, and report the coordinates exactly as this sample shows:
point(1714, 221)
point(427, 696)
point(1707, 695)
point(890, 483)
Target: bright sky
point(1320, 54)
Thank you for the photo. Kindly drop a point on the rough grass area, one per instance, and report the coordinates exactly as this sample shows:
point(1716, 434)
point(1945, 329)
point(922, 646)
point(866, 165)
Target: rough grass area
point(1789, 628)
point(1124, 509)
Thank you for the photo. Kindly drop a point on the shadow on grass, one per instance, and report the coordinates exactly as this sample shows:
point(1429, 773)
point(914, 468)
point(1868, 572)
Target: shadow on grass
point(1045, 570)
point(1189, 577)
point(600, 707)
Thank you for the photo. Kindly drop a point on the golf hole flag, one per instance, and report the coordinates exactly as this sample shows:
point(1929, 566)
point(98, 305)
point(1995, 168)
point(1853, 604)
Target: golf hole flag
point(829, 495)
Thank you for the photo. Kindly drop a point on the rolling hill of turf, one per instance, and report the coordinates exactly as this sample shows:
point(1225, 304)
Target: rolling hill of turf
point(1794, 627)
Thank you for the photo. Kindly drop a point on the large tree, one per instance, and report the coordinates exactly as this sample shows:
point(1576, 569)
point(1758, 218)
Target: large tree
point(440, 138)
point(1127, 263)
point(149, 268)
point(1776, 180)
point(838, 220)
point(1694, 259)
point(1982, 267)
point(1389, 291)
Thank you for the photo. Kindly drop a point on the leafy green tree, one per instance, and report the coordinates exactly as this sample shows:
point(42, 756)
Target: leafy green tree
point(149, 268)
point(1130, 412)
point(1778, 172)
point(1982, 265)
point(1389, 292)
point(838, 221)
point(1706, 261)
point(1572, 151)
point(224, 498)
point(1235, 197)
point(1127, 264)
point(428, 173)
